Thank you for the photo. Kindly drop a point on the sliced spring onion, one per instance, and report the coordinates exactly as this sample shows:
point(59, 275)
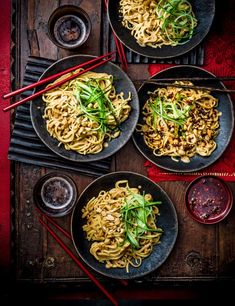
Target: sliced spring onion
point(178, 20)
point(87, 94)
point(137, 215)
point(169, 111)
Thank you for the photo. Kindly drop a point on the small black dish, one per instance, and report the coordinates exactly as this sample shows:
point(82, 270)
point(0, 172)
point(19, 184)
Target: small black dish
point(226, 121)
point(204, 12)
point(69, 27)
point(55, 194)
point(167, 220)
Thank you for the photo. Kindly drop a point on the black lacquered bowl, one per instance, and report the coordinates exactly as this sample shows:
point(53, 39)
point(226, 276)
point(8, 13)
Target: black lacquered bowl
point(167, 221)
point(122, 83)
point(226, 121)
point(204, 13)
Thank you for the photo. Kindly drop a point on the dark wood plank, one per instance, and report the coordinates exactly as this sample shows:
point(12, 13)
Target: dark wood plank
point(56, 260)
point(226, 243)
point(22, 42)
point(32, 39)
point(201, 252)
point(195, 248)
point(39, 15)
point(37, 253)
point(29, 237)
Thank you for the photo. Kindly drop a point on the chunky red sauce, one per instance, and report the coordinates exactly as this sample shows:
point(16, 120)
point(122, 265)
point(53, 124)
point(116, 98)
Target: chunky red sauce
point(208, 198)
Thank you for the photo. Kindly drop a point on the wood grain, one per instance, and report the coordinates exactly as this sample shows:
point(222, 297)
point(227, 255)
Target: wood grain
point(201, 253)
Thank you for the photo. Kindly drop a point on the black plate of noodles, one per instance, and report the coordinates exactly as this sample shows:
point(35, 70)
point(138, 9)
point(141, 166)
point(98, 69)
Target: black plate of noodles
point(161, 28)
point(180, 129)
point(119, 210)
point(89, 118)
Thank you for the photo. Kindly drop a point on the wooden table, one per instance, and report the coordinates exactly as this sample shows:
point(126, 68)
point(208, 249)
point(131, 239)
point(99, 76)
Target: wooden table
point(203, 255)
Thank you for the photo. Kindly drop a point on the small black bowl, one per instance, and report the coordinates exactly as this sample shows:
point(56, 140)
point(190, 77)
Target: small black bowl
point(55, 194)
point(69, 27)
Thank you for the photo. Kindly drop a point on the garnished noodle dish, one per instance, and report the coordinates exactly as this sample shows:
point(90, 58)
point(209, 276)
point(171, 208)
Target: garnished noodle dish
point(85, 113)
point(180, 122)
point(121, 224)
point(155, 23)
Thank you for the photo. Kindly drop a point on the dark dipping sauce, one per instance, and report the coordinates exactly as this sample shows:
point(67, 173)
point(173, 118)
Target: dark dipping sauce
point(208, 199)
point(70, 30)
point(56, 193)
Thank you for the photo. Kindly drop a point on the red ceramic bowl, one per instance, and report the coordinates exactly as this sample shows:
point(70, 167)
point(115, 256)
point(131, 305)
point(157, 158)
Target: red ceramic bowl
point(208, 199)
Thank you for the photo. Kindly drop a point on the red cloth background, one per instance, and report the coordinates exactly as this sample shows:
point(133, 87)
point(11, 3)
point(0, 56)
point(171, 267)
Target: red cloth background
point(220, 60)
point(5, 137)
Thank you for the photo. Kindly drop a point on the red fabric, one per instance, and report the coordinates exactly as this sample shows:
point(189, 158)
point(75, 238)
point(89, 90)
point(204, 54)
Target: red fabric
point(5, 136)
point(220, 60)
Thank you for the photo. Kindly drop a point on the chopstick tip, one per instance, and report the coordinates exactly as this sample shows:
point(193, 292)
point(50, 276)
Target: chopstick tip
point(6, 109)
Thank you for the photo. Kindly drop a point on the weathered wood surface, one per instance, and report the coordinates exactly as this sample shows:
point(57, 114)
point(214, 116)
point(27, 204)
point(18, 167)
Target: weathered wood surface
point(201, 253)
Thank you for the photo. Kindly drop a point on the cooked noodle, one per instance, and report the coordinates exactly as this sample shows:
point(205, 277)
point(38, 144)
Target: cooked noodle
point(156, 23)
point(180, 122)
point(111, 227)
point(85, 113)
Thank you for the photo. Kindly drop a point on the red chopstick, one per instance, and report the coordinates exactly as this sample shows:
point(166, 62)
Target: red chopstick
point(39, 93)
point(43, 81)
point(121, 53)
point(67, 234)
point(76, 260)
point(119, 47)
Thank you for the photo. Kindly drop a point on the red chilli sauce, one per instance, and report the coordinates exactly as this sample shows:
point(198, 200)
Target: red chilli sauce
point(208, 198)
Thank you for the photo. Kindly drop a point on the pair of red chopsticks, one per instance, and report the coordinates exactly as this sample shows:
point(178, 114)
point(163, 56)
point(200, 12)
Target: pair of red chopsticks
point(70, 253)
point(99, 61)
point(119, 47)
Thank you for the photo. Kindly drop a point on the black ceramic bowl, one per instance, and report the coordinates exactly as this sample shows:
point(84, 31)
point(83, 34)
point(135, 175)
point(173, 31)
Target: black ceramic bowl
point(122, 83)
point(204, 12)
point(69, 27)
point(167, 221)
point(226, 121)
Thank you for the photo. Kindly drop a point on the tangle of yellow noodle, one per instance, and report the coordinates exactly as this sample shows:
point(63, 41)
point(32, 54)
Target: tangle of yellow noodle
point(105, 228)
point(155, 23)
point(189, 130)
point(72, 126)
